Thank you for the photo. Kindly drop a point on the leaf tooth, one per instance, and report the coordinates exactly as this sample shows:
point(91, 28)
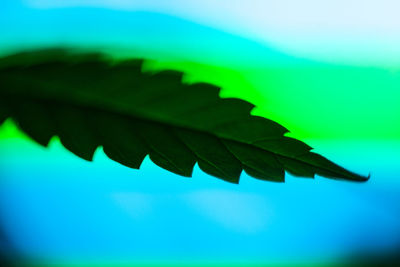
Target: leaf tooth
point(240, 105)
point(165, 162)
point(74, 130)
point(85, 152)
point(258, 163)
point(132, 158)
point(212, 156)
point(119, 141)
point(296, 168)
point(171, 76)
point(229, 175)
point(166, 150)
point(210, 89)
point(255, 173)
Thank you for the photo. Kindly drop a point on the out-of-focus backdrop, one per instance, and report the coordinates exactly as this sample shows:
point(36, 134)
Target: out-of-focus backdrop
point(329, 71)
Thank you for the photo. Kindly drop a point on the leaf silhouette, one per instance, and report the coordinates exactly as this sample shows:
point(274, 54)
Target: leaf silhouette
point(90, 101)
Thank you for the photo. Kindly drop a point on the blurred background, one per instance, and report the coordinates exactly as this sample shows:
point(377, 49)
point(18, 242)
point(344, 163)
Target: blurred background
point(329, 71)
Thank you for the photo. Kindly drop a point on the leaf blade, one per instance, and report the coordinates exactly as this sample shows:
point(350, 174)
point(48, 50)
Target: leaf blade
point(93, 102)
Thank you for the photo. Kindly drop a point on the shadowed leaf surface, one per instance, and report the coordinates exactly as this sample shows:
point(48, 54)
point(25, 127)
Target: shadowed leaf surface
point(90, 101)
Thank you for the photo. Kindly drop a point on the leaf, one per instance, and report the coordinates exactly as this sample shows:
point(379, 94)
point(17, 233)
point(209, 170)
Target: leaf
point(90, 101)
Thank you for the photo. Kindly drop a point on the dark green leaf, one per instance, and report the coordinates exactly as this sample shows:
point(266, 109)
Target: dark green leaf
point(90, 101)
